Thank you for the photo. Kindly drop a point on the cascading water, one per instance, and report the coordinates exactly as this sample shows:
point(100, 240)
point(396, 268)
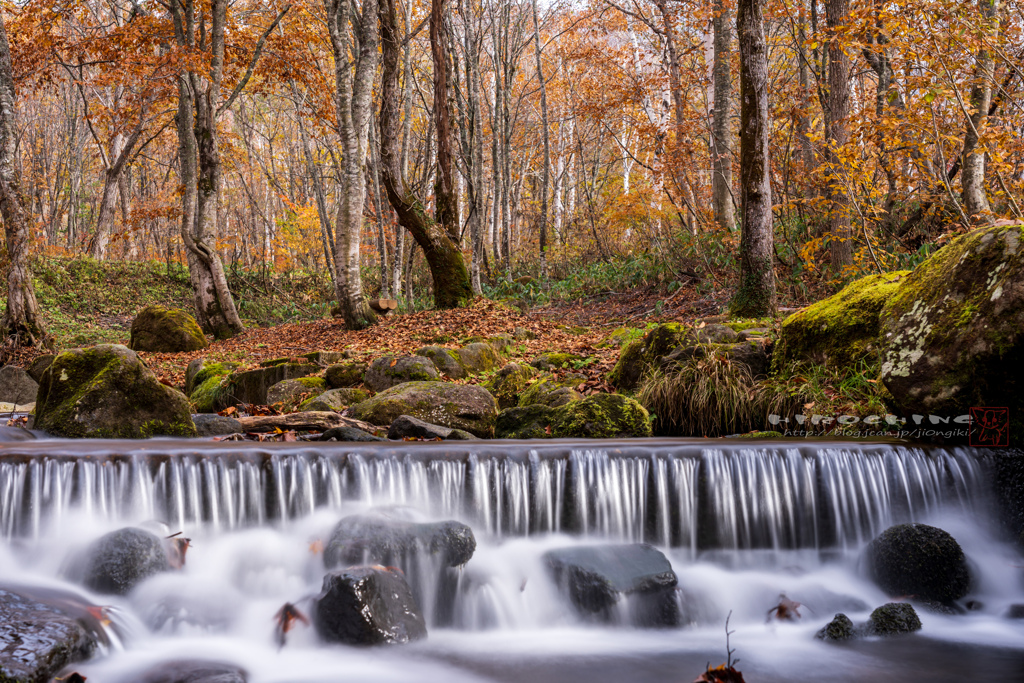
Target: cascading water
point(740, 521)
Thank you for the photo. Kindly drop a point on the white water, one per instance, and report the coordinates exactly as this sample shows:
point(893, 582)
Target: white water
point(765, 521)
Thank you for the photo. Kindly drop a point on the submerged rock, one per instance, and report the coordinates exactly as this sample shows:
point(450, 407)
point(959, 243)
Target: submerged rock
point(597, 577)
point(458, 406)
point(105, 391)
point(190, 671)
point(166, 330)
point(893, 619)
point(839, 629)
point(365, 539)
point(390, 371)
point(367, 606)
point(37, 640)
point(920, 561)
point(117, 562)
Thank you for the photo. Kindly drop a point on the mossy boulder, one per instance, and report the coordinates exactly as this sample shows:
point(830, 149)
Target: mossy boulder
point(478, 357)
point(841, 330)
point(601, 416)
point(509, 383)
point(502, 343)
point(839, 629)
point(105, 391)
point(389, 371)
point(252, 386)
point(166, 330)
point(555, 361)
point(206, 386)
point(551, 391)
point(920, 561)
point(459, 406)
point(641, 356)
point(894, 618)
point(341, 375)
point(751, 354)
point(445, 360)
point(201, 369)
point(529, 422)
point(291, 392)
point(953, 334)
point(335, 399)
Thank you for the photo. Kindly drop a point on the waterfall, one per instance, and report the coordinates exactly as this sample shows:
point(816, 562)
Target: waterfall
point(670, 493)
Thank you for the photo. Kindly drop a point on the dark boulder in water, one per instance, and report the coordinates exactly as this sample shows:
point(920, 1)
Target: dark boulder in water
point(919, 561)
point(892, 619)
point(839, 629)
point(117, 562)
point(37, 639)
point(194, 672)
point(367, 606)
point(362, 539)
point(597, 577)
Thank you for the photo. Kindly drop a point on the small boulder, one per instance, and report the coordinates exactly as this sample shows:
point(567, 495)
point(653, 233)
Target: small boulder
point(598, 577)
point(37, 639)
point(601, 416)
point(508, 384)
point(349, 434)
point(408, 427)
point(106, 392)
point(341, 375)
point(528, 422)
point(206, 385)
point(211, 424)
point(38, 366)
point(555, 361)
point(368, 539)
point(643, 355)
point(367, 606)
point(502, 343)
point(390, 371)
point(116, 562)
point(839, 629)
point(918, 560)
point(445, 360)
point(166, 330)
point(17, 386)
point(893, 619)
point(523, 334)
point(191, 671)
point(552, 392)
point(478, 357)
point(291, 392)
point(459, 406)
point(1015, 611)
point(335, 399)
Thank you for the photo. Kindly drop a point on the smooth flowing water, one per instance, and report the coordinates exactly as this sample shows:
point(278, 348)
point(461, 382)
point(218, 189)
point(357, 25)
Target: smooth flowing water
point(741, 522)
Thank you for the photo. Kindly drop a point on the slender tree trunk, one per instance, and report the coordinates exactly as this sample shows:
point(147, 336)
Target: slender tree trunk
point(545, 128)
point(837, 111)
point(972, 180)
point(22, 324)
point(721, 131)
point(756, 294)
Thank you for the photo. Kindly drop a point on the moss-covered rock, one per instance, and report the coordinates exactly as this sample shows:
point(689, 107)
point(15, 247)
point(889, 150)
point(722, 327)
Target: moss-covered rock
point(892, 619)
point(953, 333)
point(106, 392)
point(552, 392)
point(601, 416)
point(318, 357)
point(640, 357)
point(529, 422)
point(839, 629)
point(335, 399)
point(349, 374)
point(459, 406)
point(478, 357)
point(291, 392)
point(509, 383)
point(210, 390)
point(841, 330)
point(38, 366)
point(918, 560)
point(502, 343)
point(555, 361)
point(445, 360)
point(200, 370)
point(166, 330)
point(389, 371)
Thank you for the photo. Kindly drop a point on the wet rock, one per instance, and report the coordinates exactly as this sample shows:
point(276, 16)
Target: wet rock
point(105, 391)
point(211, 424)
point(291, 392)
point(508, 384)
point(17, 386)
point(335, 399)
point(190, 671)
point(839, 629)
point(37, 640)
point(597, 577)
point(366, 539)
point(892, 619)
point(342, 375)
point(367, 606)
point(918, 560)
point(390, 371)
point(117, 562)
point(166, 330)
point(1015, 611)
point(38, 366)
point(953, 333)
point(459, 406)
point(349, 434)
point(406, 426)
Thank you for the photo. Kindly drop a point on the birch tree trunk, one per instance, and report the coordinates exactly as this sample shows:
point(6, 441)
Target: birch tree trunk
point(21, 322)
point(756, 294)
point(355, 64)
point(972, 180)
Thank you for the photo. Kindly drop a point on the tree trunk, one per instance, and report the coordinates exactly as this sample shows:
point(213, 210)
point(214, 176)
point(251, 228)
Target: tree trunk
point(756, 294)
point(452, 287)
point(353, 105)
point(972, 180)
point(721, 131)
point(21, 322)
point(837, 111)
point(545, 129)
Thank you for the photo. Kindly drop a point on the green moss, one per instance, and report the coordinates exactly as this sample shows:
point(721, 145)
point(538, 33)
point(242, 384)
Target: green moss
point(210, 370)
point(638, 358)
point(601, 416)
point(547, 390)
point(761, 435)
point(210, 395)
point(529, 422)
point(839, 331)
point(547, 361)
point(508, 384)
